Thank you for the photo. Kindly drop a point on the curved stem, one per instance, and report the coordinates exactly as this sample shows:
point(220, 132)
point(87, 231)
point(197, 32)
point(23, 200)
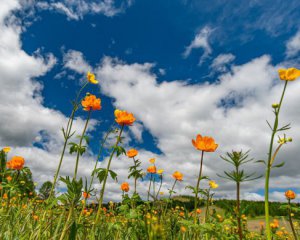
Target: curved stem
point(161, 179)
point(290, 220)
point(80, 144)
point(268, 169)
point(197, 188)
point(106, 175)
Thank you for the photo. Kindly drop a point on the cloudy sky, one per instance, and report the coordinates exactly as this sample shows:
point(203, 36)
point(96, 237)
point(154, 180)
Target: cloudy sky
point(181, 67)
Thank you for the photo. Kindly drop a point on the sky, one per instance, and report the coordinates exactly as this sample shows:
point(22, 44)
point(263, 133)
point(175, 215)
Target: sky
point(182, 67)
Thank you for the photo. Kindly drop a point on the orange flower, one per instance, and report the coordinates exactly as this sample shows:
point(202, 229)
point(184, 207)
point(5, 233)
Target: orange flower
point(91, 78)
point(289, 194)
point(125, 186)
point(5, 196)
point(151, 169)
point(274, 224)
point(206, 144)
point(183, 229)
point(178, 176)
point(35, 217)
point(198, 211)
point(124, 118)
point(86, 195)
point(8, 178)
point(132, 153)
point(289, 74)
point(90, 102)
point(15, 163)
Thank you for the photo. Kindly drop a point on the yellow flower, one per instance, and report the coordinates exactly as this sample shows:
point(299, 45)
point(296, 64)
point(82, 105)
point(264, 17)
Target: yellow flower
point(152, 160)
point(289, 74)
point(6, 149)
point(213, 184)
point(160, 171)
point(183, 229)
point(91, 78)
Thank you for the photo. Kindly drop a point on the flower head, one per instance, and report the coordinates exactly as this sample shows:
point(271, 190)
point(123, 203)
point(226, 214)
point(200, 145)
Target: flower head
point(86, 195)
point(6, 149)
point(151, 169)
point(206, 144)
point(213, 184)
point(125, 186)
point(91, 78)
point(8, 178)
point(160, 171)
point(178, 176)
point(124, 118)
point(289, 194)
point(289, 74)
point(132, 153)
point(90, 102)
point(152, 160)
point(15, 163)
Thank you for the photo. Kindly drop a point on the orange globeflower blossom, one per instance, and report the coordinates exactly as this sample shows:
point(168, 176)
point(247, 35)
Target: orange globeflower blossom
point(178, 176)
point(124, 118)
point(86, 195)
point(151, 169)
point(289, 74)
point(8, 178)
point(132, 153)
point(6, 149)
point(15, 163)
point(206, 144)
point(91, 78)
point(125, 186)
point(289, 194)
point(90, 102)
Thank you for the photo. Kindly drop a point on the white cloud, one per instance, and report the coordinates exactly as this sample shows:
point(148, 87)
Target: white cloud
point(24, 119)
point(77, 9)
point(293, 45)
point(233, 110)
point(220, 63)
point(201, 40)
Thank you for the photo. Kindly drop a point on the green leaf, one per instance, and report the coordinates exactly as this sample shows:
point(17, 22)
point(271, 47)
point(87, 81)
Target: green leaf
point(73, 231)
point(261, 161)
point(278, 165)
point(113, 175)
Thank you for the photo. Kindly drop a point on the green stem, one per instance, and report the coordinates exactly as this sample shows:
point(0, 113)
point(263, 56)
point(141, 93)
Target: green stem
point(106, 175)
point(207, 206)
point(149, 187)
point(135, 178)
point(161, 180)
point(240, 231)
point(268, 169)
point(80, 144)
point(197, 187)
point(290, 220)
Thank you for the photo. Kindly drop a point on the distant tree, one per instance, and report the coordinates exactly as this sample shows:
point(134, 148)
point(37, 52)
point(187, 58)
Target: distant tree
point(45, 189)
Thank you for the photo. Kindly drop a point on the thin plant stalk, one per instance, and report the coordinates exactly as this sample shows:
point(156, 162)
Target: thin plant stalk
point(268, 169)
point(135, 178)
point(80, 144)
point(197, 187)
point(149, 187)
point(290, 220)
point(67, 136)
point(240, 231)
point(106, 175)
point(161, 180)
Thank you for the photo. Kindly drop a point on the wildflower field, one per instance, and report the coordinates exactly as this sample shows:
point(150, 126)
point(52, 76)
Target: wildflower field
point(80, 212)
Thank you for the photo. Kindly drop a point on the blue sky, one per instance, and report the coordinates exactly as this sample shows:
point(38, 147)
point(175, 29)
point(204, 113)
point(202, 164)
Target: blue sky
point(185, 67)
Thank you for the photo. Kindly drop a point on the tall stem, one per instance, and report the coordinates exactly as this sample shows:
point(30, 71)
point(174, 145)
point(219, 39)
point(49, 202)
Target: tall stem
point(106, 175)
point(238, 210)
point(290, 220)
point(80, 144)
point(149, 187)
point(135, 177)
point(67, 136)
point(268, 169)
point(197, 187)
point(161, 179)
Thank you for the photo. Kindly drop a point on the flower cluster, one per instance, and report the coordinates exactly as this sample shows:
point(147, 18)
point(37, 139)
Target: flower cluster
point(90, 102)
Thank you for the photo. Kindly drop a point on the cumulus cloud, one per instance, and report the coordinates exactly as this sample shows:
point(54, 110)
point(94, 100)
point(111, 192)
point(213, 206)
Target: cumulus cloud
point(24, 120)
point(233, 110)
point(293, 45)
point(77, 9)
point(201, 40)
